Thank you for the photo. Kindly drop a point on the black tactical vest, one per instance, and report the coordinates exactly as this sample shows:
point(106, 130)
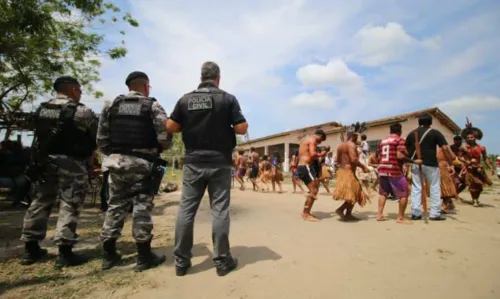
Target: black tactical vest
point(208, 124)
point(131, 124)
point(57, 133)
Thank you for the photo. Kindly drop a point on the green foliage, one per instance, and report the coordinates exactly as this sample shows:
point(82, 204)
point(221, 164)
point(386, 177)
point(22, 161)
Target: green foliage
point(493, 159)
point(239, 139)
point(177, 148)
point(43, 39)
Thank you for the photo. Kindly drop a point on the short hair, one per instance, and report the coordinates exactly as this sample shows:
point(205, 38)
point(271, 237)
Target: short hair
point(458, 137)
point(395, 128)
point(133, 77)
point(363, 137)
point(241, 152)
point(425, 120)
point(252, 148)
point(62, 83)
point(209, 71)
point(320, 133)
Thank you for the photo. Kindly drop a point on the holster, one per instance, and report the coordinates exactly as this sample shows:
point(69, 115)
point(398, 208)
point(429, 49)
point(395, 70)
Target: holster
point(152, 183)
point(35, 171)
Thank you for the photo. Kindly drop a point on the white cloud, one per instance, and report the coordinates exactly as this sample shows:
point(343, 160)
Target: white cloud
point(335, 73)
point(317, 100)
point(378, 45)
point(260, 47)
point(470, 104)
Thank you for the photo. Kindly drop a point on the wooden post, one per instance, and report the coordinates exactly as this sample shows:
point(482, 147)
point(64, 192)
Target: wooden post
point(423, 197)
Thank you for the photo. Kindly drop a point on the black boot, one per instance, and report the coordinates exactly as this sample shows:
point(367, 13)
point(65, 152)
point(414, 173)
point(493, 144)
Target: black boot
point(111, 257)
point(146, 258)
point(229, 265)
point(67, 258)
point(32, 253)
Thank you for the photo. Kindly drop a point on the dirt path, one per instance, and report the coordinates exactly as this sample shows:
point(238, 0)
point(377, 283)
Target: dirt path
point(281, 256)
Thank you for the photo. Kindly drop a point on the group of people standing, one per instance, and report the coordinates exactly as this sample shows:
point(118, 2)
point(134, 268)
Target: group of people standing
point(131, 133)
point(421, 165)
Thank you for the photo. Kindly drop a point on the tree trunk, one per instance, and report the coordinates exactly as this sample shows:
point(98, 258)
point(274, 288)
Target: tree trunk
point(8, 132)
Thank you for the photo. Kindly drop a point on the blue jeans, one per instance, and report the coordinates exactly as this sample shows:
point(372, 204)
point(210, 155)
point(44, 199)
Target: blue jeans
point(433, 176)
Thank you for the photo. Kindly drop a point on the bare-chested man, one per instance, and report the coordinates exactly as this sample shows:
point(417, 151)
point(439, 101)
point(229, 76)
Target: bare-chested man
point(470, 154)
point(458, 166)
point(254, 158)
point(294, 161)
point(241, 169)
point(446, 172)
point(347, 186)
point(265, 172)
point(307, 155)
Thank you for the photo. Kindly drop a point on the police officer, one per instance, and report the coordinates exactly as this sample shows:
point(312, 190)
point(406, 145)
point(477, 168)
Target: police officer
point(65, 132)
point(208, 119)
point(132, 131)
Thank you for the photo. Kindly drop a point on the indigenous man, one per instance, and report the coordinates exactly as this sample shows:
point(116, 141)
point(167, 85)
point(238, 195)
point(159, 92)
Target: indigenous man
point(470, 154)
point(295, 175)
point(265, 172)
point(277, 173)
point(307, 156)
point(458, 166)
point(326, 174)
point(360, 174)
point(446, 171)
point(254, 158)
point(347, 187)
point(241, 163)
point(392, 155)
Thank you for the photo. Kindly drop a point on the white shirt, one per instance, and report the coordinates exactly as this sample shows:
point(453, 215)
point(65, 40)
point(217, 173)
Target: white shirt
point(103, 165)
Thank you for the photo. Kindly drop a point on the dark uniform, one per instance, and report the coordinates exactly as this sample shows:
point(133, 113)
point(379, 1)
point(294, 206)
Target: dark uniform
point(65, 132)
point(206, 116)
point(132, 132)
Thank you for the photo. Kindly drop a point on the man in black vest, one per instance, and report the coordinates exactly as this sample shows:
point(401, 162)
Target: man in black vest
point(65, 132)
point(132, 132)
point(208, 119)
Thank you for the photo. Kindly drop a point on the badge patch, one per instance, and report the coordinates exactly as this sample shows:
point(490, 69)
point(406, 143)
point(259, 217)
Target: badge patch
point(50, 113)
point(129, 109)
point(200, 103)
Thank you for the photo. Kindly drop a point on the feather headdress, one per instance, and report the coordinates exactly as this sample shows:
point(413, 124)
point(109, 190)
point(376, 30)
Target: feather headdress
point(469, 129)
point(357, 128)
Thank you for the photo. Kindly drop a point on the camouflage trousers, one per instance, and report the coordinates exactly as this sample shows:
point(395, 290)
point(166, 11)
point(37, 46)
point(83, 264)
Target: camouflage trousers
point(66, 179)
point(126, 178)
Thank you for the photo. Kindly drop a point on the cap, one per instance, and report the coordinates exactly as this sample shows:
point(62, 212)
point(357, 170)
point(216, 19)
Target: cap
point(210, 70)
point(135, 75)
point(63, 80)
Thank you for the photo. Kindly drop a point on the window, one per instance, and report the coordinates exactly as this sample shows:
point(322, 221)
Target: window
point(373, 145)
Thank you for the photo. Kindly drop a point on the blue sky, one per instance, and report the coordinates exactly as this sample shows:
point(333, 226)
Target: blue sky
point(297, 63)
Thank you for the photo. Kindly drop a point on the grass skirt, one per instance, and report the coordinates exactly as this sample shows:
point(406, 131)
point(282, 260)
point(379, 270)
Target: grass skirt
point(475, 178)
point(348, 188)
point(325, 172)
point(447, 183)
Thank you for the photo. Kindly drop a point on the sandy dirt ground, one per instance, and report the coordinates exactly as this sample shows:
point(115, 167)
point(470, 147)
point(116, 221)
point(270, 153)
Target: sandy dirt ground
point(282, 256)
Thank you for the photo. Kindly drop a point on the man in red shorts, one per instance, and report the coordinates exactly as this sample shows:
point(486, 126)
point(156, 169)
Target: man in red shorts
point(392, 155)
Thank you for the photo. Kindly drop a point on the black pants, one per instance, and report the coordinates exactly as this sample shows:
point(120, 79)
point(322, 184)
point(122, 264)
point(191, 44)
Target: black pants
point(104, 191)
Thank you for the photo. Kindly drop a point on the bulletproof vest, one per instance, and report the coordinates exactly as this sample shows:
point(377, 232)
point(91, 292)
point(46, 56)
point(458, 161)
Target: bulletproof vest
point(131, 124)
point(208, 125)
point(57, 133)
